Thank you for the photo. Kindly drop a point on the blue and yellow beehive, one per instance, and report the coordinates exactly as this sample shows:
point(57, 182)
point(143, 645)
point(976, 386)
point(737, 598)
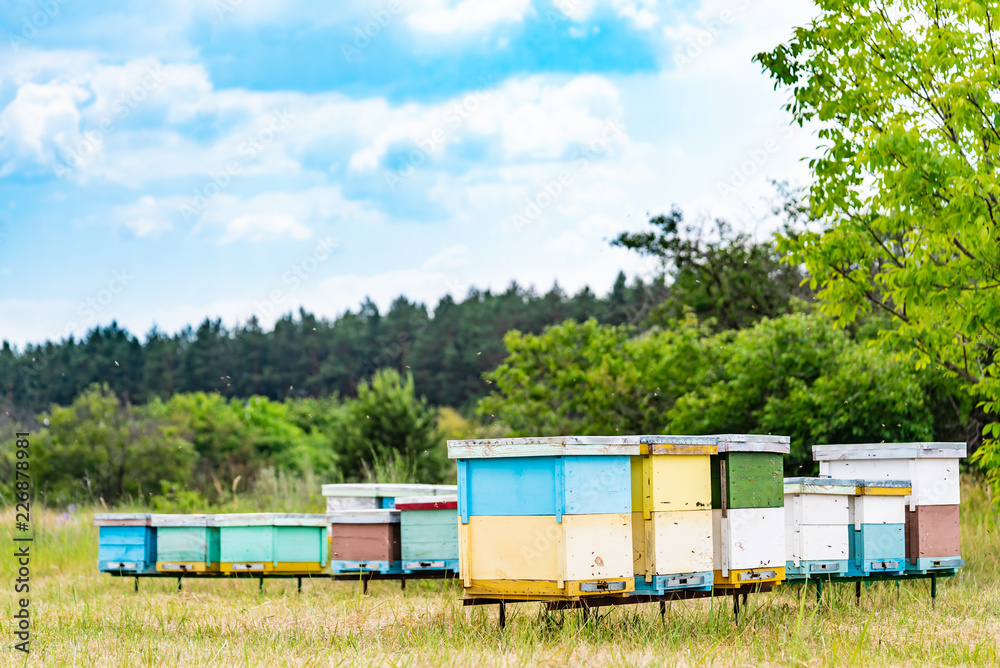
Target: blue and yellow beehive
point(428, 533)
point(271, 543)
point(818, 531)
point(877, 518)
point(126, 543)
point(545, 518)
point(672, 513)
point(186, 544)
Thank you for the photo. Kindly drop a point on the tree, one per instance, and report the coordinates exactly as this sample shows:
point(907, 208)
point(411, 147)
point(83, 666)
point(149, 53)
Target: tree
point(904, 93)
point(389, 424)
point(726, 276)
point(795, 375)
point(98, 448)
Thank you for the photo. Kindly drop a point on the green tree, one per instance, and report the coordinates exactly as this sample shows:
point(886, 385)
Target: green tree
point(99, 448)
point(389, 423)
point(726, 275)
point(905, 95)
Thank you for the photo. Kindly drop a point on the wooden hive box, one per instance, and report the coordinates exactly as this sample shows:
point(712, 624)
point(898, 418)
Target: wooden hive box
point(748, 515)
point(878, 544)
point(271, 543)
point(672, 513)
point(933, 538)
point(933, 472)
point(817, 526)
point(371, 496)
point(126, 543)
point(186, 543)
point(365, 540)
point(545, 518)
point(428, 532)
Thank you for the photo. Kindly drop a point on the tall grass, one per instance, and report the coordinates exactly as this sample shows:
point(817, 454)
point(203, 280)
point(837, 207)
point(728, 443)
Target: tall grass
point(82, 618)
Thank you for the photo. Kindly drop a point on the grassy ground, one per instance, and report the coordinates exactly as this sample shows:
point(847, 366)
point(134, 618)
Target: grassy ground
point(82, 618)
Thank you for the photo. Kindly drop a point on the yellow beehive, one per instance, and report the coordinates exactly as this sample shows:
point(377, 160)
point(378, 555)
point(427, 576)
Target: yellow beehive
point(535, 557)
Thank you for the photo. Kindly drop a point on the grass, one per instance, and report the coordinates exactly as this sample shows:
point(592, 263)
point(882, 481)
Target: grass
point(83, 618)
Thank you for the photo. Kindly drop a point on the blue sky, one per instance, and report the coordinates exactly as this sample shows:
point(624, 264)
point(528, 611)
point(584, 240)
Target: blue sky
point(164, 162)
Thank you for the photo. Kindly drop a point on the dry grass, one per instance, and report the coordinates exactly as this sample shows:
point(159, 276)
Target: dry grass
point(82, 618)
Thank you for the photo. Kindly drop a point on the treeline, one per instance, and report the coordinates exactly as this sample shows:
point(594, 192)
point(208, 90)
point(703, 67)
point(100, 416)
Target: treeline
point(203, 446)
point(446, 351)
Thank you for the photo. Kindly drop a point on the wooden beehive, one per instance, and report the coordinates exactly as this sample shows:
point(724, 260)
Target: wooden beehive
point(748, 516)
point(545, 518)
point(933, 538)
point(931, 468)
point(126, 543)
point(878, 544)
point(933, 472)
point(428, 531)
point(186, 543)
point(271, 542)
point(371, 496)
point(365, 540)
point(817, 526)
point(536, 557)
point(672, 513)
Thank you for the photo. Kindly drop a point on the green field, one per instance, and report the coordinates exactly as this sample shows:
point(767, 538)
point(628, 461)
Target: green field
point(83, 618)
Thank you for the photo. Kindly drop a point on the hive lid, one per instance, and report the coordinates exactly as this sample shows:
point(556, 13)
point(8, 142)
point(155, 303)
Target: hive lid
point(889, 451)
point(821, 486)
point(374, 516)
point(267, 519)
point(665, 444)
point(427, 503)
point(754, 443)
point(543, 446)
point(381, 490)
point(885, 487)
point(121, 519)
point(177, 520)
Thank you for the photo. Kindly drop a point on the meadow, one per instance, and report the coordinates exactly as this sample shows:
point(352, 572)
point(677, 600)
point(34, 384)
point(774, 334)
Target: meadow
point(85, 618)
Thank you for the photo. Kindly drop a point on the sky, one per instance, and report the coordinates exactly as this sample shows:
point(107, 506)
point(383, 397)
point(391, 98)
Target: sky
point(161, 163)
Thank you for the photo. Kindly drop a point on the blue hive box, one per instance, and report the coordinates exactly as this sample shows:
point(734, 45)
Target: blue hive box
point(126, 543)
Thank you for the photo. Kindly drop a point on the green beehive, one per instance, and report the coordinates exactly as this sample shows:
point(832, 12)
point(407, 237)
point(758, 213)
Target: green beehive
point(753, 480)
point(271, 542)
point(186, 544)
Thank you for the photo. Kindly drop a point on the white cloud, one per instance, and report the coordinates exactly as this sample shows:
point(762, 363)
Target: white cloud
point(456, 255)
point(146, 218)
point(440, 17)
point(38, 127)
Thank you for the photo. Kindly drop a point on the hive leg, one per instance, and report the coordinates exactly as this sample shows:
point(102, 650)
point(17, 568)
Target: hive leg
point(179, 583)
point(503, 615)
point(819, 592)
point(300, 585)
point(857, 592)
point(736, 608)
point(663, 611)
point(136, 584)
point(933, 590)
point(402, 584)
point(261, 588)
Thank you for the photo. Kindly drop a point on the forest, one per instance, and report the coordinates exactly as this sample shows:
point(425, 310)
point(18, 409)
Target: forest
point(727, 338)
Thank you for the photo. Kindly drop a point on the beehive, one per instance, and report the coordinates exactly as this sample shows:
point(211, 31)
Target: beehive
point(672, 513)
point(126, 543)
point(371, 496)
point(545, 518)
point(365, 540)
point(818, 529)
point(877, 516)
point(186, 543)
point(428, 532)
point(748, 515)
point(271, 543)
point(932, 538)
